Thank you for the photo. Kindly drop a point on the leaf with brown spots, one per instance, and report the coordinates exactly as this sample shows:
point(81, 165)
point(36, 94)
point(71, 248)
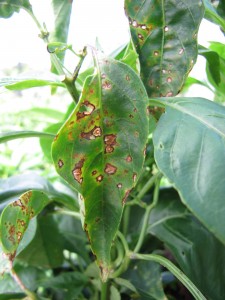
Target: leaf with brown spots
point(15, 219)
point(106, 150)
point(165, 36)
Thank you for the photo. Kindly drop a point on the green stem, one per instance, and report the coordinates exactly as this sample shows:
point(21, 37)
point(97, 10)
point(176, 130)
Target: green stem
point(174, 270)
point(126, 259)
point(126, 217)
point(70, 81)
point(44, 35)
point(68, 213)
point(146, 216)
point(144, 190)
point(105, 291)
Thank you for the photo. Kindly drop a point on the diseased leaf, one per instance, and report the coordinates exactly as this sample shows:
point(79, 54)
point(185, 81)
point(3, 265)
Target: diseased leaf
point(16, 217)
point(100, 150)
point(191, 244)
point(8, 7)
point(190, 150)
point(165, 36)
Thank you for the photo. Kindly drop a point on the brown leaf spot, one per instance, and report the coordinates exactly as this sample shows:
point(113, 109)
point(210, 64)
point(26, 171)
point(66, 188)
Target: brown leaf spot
point(89, 108)
point(21, 222)
point(134, 176)
point(126, 196)
point(99, 178)
point(140, 36)
point(70, 136)
point(92, 134)
point(110, 142)
point(97, 220)
point(119, 185)
point(131, 116)
point(71, 124)
point(94, 172)
point(107, 85)
point(19, 235)
point(110, 169)
point(12, 230)
point(60, 163)
point(77, 171)
point(128, 78)
point(97, 131)
point(56, 137)
point(129, 158)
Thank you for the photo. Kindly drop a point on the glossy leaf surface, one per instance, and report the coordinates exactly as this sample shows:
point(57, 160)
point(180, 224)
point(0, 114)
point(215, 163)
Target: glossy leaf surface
point(100, 149)
point(8, 7)
point(199, 254)
point(190, 150)
point(15, 219)
point(165, 36)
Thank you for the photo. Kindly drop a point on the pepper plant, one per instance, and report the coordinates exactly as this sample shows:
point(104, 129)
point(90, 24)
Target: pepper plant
point(139, 213)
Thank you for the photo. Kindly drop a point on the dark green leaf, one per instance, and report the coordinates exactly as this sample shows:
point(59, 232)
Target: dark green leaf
point(15, 219)
point(165, 36)
point(70, 284)
point(190, 151)
point(200, 255)
point(46, 248)
point(8, 7)
point(9, 136)
point(221, 8)
point(99, 150)
point(62, 12)
point(145, 276)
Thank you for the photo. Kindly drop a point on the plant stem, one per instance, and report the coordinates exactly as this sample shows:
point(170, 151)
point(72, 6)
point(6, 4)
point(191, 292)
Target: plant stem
point(144, 190)
point(70, 81)
point(30, 294)
point(146, 216)
point(68, 212)
point(174, 270)
point(105, 291)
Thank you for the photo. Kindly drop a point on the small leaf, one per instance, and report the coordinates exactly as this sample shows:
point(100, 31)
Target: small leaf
point(190, 151)
point(99, 150)
point(165, 36)
point(15, 219)
point(22, 83)
point(62, 12)
point(8, 7)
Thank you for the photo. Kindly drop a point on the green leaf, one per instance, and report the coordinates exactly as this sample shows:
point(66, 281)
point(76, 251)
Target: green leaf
point(99, 150)
point(62, 12)
point(15, 219)
point(12, 187)
point(189, 150)
point(46, 248)
point(212, 67)
point(22, 83)
point(195, 249)
point(213, 63)
point(165, 36)
point(212, 14)
point(8, 7)
point(146, 278)
point(70, 284)
point(9, 136)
